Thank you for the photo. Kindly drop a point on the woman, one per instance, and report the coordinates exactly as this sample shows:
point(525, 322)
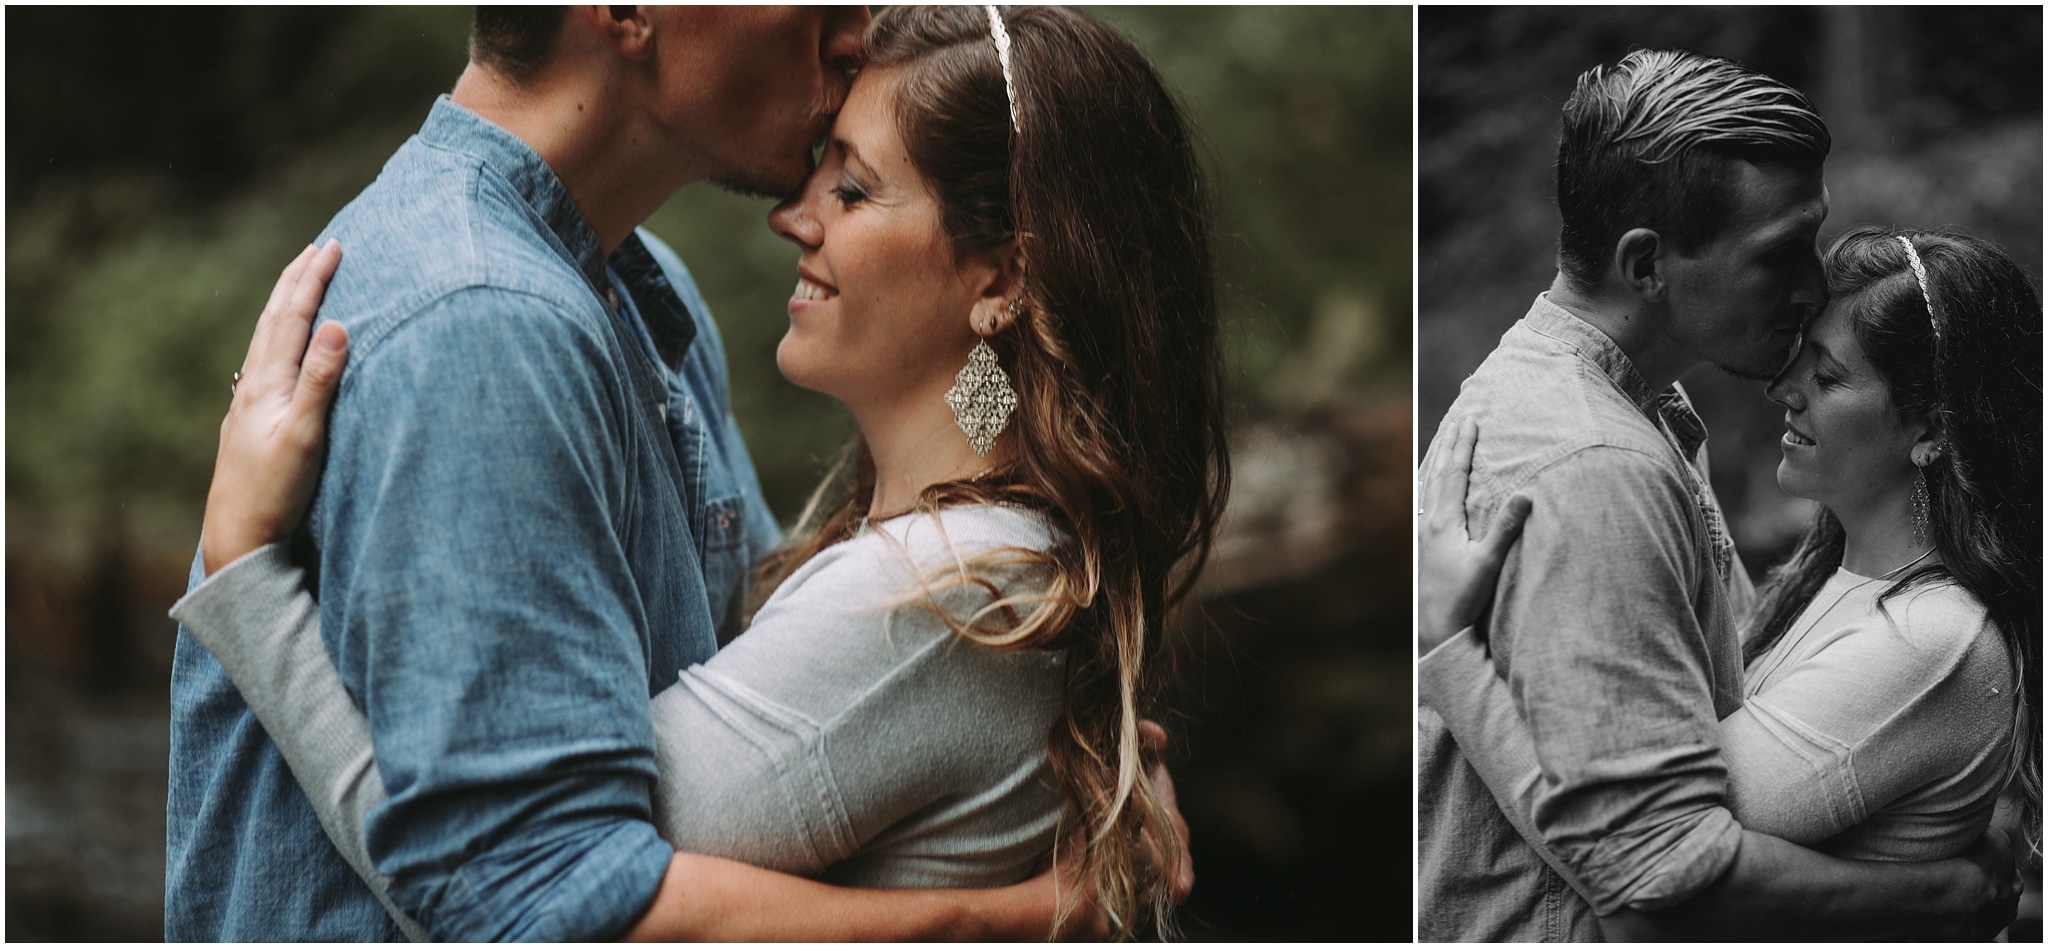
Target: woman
point(1014, 193)
point(1890, 662)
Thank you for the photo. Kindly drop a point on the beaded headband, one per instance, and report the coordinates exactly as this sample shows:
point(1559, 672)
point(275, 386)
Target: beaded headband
point(1920, 273)
point(1002, 40)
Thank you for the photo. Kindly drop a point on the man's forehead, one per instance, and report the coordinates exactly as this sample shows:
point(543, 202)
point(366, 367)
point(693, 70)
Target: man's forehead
point(1777, 201)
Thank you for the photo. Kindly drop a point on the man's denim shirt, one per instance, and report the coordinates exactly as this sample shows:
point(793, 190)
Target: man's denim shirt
point(535, 510)
point(1611, 623)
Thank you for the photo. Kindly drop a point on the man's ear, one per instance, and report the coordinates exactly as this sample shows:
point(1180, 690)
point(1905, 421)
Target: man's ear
point(998, 278)
point(627, 30)
point(1638, 257)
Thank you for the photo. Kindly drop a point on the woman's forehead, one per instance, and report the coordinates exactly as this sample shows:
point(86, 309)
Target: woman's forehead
point(1833, 333)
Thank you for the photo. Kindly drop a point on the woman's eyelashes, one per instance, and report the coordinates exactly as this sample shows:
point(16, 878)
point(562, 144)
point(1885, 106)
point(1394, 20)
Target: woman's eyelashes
point(849, 193)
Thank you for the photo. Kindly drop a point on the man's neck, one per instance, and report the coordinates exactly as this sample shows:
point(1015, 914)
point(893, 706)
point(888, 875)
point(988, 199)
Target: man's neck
point(1627, 320)
point(618, 166)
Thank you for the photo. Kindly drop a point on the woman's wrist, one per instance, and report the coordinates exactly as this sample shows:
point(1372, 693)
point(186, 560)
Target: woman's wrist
point(1433, 626)
point(223, 543)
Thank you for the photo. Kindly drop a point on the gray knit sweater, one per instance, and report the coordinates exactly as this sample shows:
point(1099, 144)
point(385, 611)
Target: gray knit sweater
point(848, 735)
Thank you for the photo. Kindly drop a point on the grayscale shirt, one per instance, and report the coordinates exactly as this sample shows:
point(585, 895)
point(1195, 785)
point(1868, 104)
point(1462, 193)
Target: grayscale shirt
point(1628, 656)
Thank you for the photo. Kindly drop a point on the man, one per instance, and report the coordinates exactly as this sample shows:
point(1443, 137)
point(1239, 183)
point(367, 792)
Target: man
point(535, 509)
point(1691, 196)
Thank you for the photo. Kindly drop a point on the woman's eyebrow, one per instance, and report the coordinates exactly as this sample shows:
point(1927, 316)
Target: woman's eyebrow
point(1821, 354)
point(851, 155)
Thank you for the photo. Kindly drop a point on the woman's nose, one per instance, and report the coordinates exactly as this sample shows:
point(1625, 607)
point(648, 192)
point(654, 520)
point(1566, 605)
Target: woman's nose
point(1782, 391)
point(793, 221)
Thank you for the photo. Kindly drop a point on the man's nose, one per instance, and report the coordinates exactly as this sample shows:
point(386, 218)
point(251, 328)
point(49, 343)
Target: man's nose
point(1812, 292)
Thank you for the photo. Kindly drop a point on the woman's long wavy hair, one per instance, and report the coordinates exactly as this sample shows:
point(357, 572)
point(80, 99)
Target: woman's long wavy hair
point(1982, 379)
point(1118, 434)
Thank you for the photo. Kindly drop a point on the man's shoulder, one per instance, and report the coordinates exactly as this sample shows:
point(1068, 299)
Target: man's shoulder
point(1538, 402)
point(436, 228)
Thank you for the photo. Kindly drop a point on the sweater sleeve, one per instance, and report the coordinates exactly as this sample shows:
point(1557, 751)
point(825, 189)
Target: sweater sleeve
point(1913, 699)
point(849, 725)
point(1457, 681)
point(852, 732)
point(1887, 706)
point(281, 667)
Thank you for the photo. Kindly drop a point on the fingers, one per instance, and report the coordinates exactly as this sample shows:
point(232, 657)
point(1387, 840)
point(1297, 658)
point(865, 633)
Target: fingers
point(1458, 471)
point(1183, 881)
point(292, 320)
point(1507, 526)
point(1449, 481)
point(259, 341)
point(1153, 736)
point(287, 280)
point(1433, 490)
point(320, 375)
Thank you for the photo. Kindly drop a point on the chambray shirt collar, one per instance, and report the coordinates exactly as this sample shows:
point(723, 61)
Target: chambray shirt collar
point(666, 323)
point(1596, 347)
point(670, 326)
point(1593, 345)
point(456, 128)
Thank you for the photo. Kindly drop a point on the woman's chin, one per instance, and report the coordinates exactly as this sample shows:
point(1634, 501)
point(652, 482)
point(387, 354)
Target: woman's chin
point(1793, 483)
point(791, 362)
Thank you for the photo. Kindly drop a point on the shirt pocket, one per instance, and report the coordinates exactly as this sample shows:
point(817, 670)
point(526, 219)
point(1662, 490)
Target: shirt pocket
point(725, 562)
point(725, 524)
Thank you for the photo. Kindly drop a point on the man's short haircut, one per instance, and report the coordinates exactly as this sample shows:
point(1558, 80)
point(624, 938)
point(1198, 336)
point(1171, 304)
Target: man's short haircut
point(515, 41)
point(1648, 142)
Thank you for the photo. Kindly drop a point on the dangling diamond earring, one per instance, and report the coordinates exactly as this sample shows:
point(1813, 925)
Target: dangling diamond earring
point(1920, 505)
point(981, 399)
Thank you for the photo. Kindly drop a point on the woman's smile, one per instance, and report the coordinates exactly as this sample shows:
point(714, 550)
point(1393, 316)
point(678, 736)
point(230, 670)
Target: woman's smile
point(809, 289)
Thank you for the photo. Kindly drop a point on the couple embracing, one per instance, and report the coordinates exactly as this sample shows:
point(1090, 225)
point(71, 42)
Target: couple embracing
point(464, 658)
point(1620, 736)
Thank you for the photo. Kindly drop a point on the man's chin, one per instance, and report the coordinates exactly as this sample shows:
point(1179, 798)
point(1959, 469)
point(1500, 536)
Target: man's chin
point(776, 184)
point(757, 187)
point(1748, 373)
point(1762, 368)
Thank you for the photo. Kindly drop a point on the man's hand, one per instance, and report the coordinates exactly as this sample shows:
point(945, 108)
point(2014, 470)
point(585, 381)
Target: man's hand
point(1153, 737)
point(1089, 922)
point(1998, 891)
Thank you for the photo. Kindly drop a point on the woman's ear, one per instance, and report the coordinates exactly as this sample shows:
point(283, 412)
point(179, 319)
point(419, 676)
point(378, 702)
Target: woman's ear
point(1930, 439)
point(1000, 289)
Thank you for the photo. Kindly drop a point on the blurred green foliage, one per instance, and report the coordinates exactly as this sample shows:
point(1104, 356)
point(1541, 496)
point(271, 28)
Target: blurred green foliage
point(165, 164)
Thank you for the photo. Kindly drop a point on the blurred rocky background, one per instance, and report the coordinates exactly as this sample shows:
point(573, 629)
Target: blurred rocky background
point(164, 164)
point(1936, 118)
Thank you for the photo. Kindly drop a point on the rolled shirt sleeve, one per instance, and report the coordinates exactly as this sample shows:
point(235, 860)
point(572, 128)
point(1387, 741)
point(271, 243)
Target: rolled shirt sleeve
point(477, 598)
point(1608, 662)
